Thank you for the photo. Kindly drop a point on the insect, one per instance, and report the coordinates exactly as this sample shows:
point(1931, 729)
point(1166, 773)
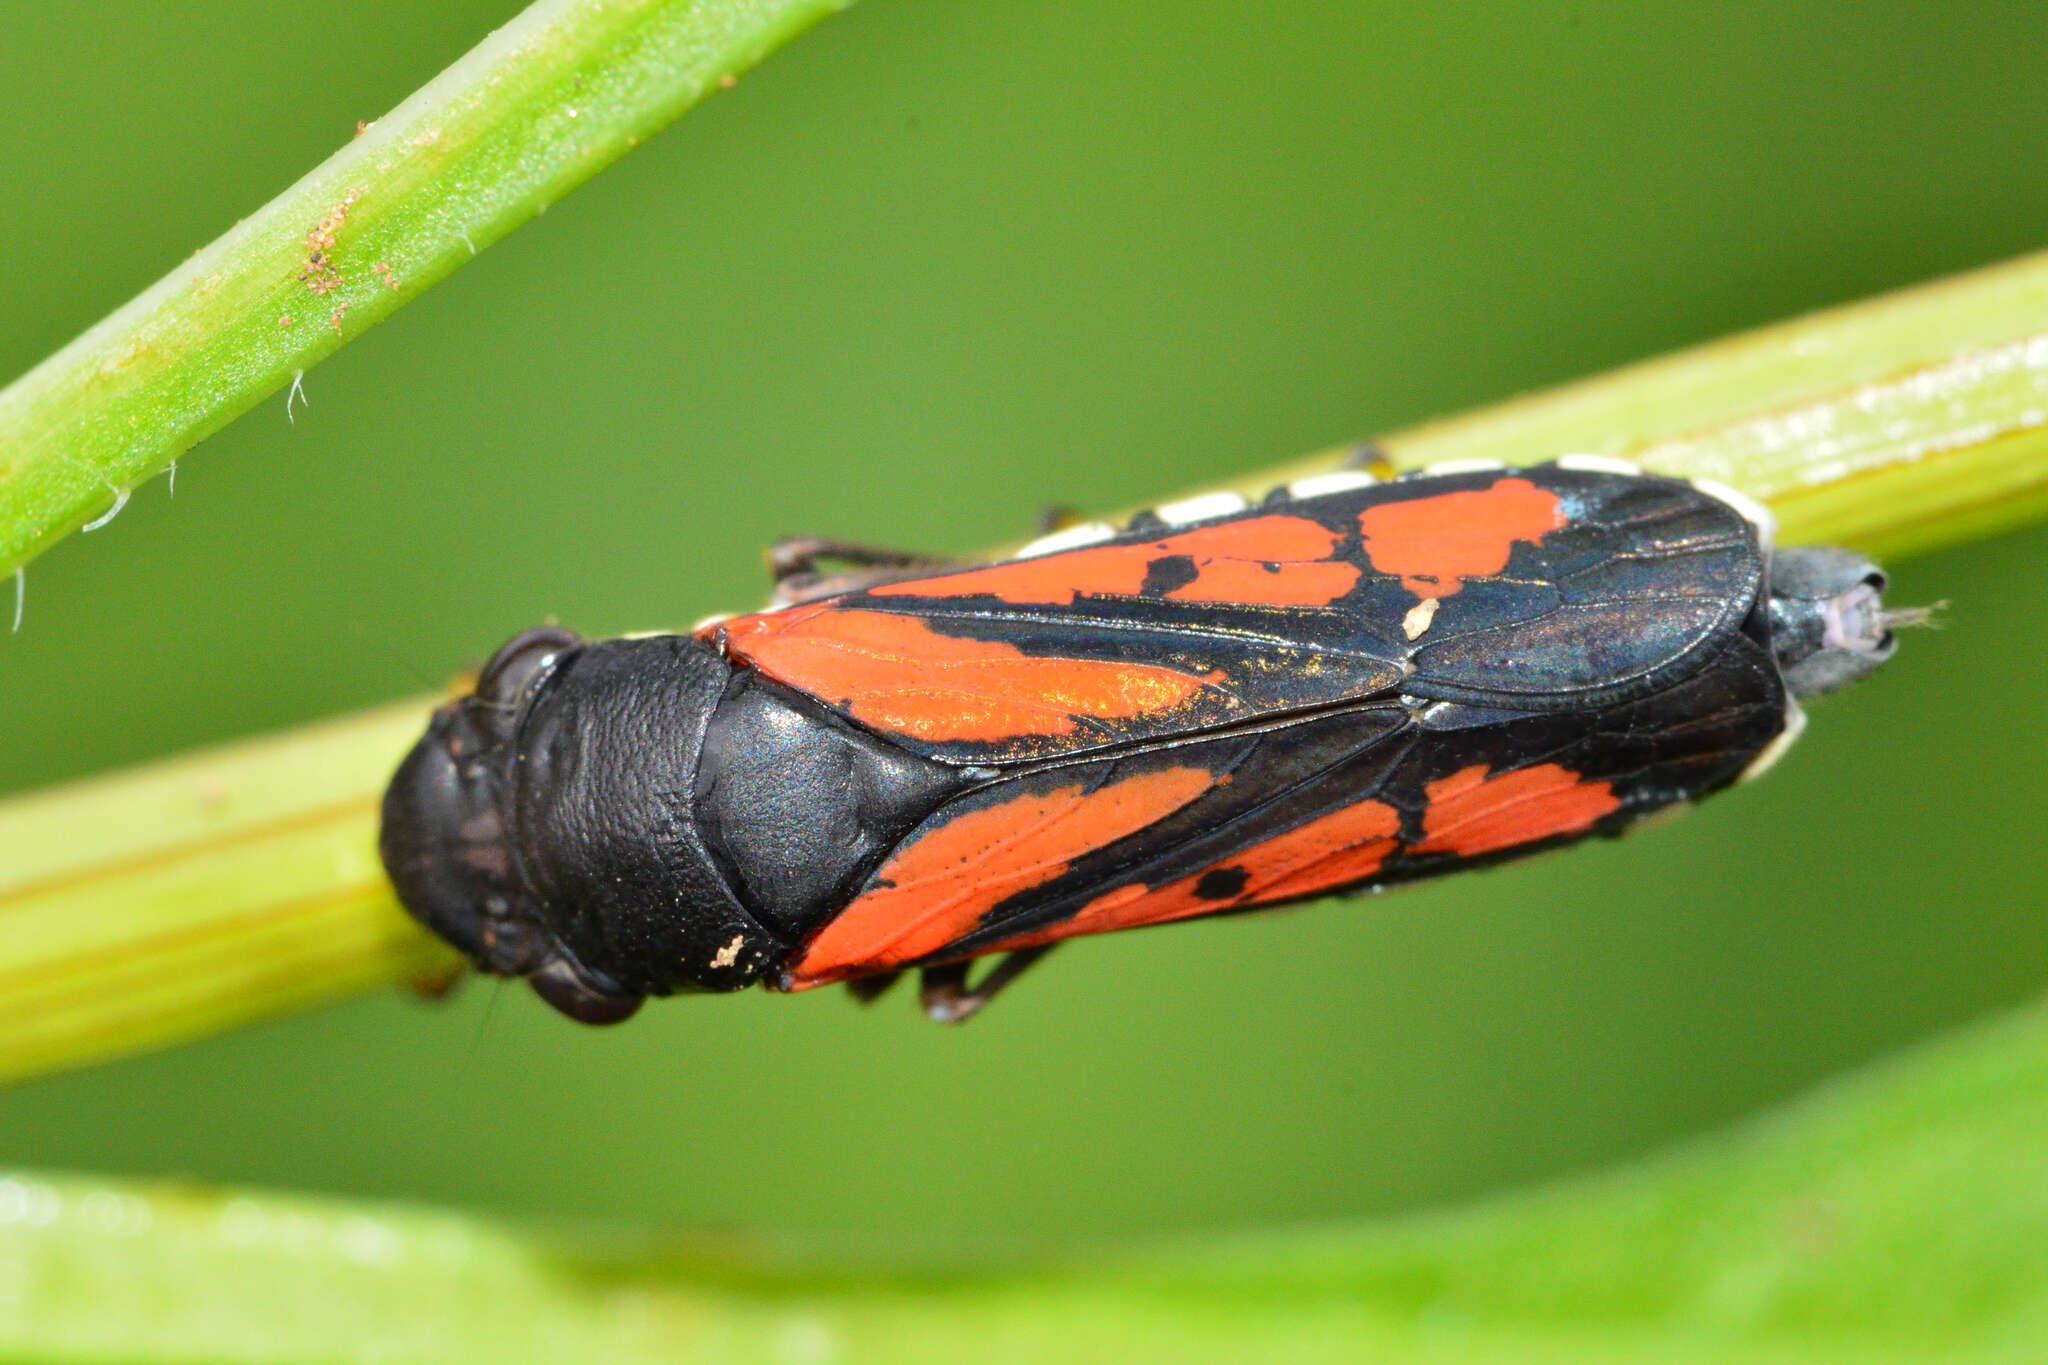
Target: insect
point(907, 764)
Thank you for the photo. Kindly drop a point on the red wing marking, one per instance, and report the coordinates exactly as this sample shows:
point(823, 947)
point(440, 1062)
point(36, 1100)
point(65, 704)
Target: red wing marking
point(1345, 846)
point(1435, 543)
point(1470, 813)
point(898, 674)
point(1262, 561)
point(938, 886)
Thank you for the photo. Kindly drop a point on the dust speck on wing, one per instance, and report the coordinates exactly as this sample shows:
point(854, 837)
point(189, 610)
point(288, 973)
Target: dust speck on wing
point(1418, 618)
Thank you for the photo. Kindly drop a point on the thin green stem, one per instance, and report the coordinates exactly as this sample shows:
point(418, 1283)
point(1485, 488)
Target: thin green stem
point(527, 115)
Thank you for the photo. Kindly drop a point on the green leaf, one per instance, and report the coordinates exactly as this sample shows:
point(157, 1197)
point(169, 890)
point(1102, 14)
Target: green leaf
point(527, 115)
point(1900, 1215)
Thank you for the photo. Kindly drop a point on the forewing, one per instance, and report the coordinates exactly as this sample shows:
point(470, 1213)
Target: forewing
point(1538, 589)
point(1642, 582)
point(1146, 638)
point(1027, 847)
point(1339, 801)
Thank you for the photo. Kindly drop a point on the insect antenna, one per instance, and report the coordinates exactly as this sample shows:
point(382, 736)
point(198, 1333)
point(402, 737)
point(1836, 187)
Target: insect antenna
point(1893, 618)
point(483, 1024)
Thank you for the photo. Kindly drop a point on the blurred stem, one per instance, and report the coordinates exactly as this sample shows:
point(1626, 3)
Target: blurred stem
point(195, 895)
point(527, 115)
point(236, 884)
point(1900, 1216)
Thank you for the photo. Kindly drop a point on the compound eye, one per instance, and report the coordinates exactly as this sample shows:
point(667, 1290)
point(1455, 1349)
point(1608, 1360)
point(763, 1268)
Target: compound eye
point(575, 995)
point(505, 678)
point(505, 945)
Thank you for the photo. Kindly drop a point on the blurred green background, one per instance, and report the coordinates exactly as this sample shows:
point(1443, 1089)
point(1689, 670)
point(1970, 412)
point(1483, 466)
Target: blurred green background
point(933, 268)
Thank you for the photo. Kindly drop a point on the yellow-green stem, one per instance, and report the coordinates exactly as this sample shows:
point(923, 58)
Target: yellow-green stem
point(1898, 424)
point(198, 894)
point(240, 883)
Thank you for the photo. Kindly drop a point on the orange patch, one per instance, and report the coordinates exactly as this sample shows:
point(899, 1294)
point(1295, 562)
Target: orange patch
point(1274, 561)
point(1470, 813)
point(898, 674)
point(1434, 544)
point(938, 886)
point(1345, 846)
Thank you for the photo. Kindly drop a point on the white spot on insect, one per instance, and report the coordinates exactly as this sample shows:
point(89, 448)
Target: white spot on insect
point(1795, 723)
point(463, 233)
point(730, 953)
point(298, 391)
point(1068, 538)
point(1201, 508)
point(120, 501)
point(1753, 512)
point(1322, 485)
point(1463, 467)
point(707, 623)
point(1598, 464)
point(172, 486)
point(20, 594)
point(1418, 618)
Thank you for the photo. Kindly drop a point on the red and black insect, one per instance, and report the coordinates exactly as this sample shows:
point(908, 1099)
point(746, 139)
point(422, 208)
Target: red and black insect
point(1214, 708)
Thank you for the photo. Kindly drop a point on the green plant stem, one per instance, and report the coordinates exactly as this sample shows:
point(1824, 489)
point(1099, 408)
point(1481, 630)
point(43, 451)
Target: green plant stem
point(1899, 1216)
point(527, 115)
point(199, 894)
point(1906, 422)
point(1899, 424)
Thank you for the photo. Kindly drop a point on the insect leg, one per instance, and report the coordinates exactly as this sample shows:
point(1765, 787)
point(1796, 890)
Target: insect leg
point(1057, 517)
point(796, 565)
point(944, 993)
point(868, 989)
point(1368, 457)
point(793, 555)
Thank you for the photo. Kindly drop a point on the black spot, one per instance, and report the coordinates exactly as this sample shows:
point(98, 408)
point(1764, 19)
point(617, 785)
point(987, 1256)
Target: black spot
point(1168, 572)
point(1221, 883)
